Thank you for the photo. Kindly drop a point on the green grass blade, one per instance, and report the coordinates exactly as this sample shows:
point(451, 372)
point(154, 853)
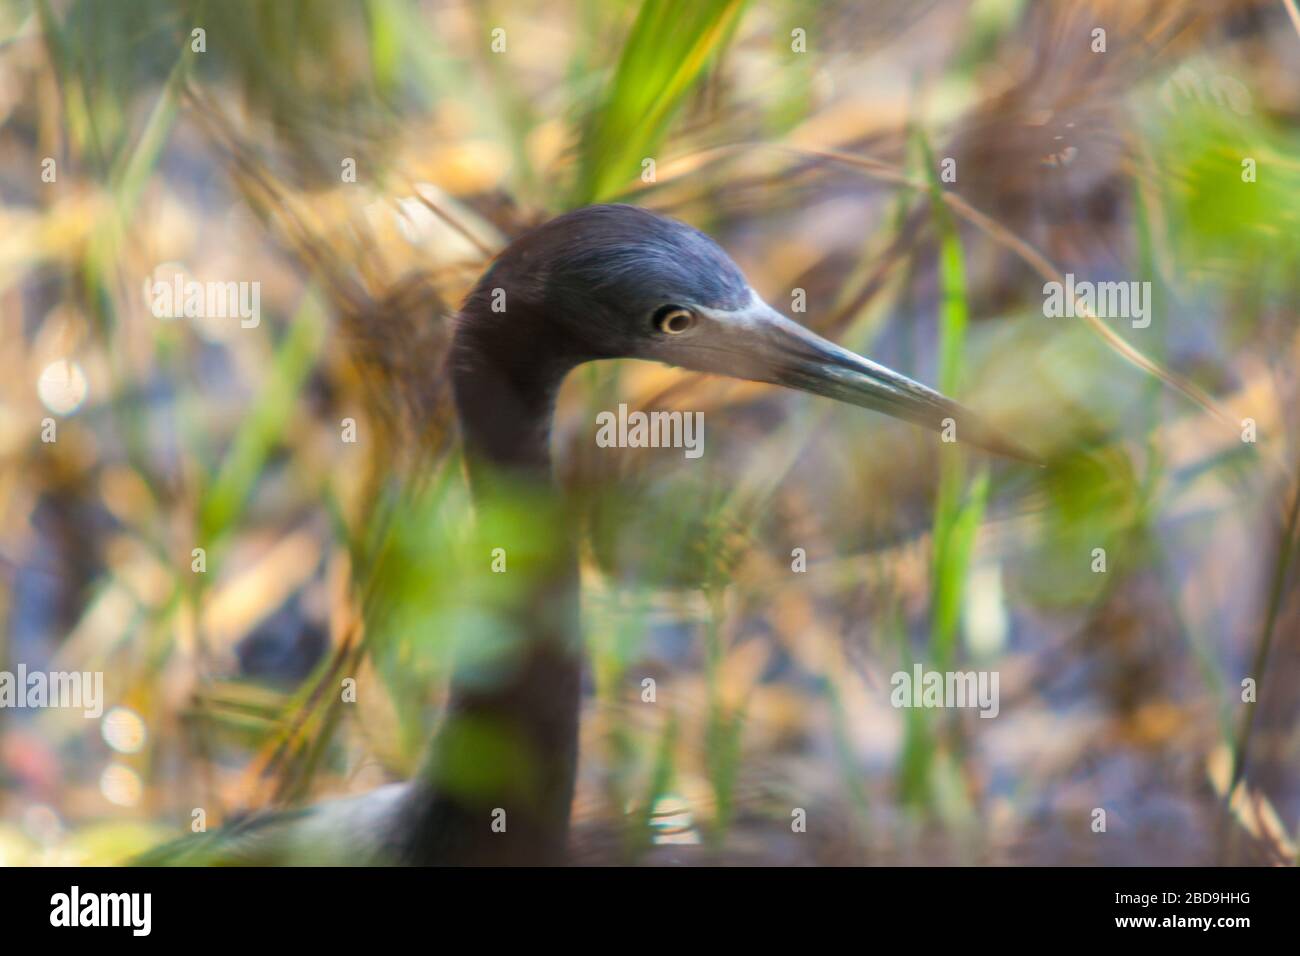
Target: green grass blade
point(666, 52)
point(266, 423)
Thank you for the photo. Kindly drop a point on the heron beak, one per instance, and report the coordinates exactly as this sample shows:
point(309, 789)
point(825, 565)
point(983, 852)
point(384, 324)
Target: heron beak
point(760, 344)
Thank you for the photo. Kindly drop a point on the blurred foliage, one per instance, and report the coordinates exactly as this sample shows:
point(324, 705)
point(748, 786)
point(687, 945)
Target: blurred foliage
point(666, 51)
point(820, 172)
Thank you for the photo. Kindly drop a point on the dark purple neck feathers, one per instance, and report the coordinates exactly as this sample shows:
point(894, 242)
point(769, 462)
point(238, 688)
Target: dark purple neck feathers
point(506, 372)
point(507, 368)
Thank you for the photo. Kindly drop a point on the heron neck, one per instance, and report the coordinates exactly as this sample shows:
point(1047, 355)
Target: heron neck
point(511, 728)
point(505, 377)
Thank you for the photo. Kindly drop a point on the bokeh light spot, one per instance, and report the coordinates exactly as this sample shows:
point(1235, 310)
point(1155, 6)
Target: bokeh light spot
point(123, 730)
point(62, 387)
point(120, 785)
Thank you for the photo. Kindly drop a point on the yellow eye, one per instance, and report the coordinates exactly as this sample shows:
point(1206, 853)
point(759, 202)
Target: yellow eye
point(674, 320)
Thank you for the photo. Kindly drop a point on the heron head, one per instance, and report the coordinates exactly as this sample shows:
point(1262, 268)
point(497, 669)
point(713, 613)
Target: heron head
point(616, 281)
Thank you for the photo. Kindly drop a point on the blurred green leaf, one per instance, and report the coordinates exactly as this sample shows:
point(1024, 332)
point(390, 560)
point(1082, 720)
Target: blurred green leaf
point(671, 43)
point(266, 423)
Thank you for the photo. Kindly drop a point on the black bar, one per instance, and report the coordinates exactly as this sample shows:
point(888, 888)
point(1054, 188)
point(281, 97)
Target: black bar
point(462, 907)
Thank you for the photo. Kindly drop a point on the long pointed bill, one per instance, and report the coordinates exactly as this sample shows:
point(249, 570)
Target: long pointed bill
point(760, 344)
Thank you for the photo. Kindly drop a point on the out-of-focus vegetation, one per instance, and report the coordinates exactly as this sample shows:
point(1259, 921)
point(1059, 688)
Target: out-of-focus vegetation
point(808, 138)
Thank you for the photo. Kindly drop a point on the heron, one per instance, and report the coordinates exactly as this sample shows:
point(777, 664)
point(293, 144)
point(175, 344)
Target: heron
point(601, 282)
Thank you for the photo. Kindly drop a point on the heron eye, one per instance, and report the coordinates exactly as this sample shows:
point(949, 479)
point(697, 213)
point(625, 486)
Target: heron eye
point(674, 320)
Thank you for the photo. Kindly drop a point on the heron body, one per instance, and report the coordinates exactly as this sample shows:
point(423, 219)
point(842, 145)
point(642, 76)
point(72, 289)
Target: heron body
point(608, 281)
